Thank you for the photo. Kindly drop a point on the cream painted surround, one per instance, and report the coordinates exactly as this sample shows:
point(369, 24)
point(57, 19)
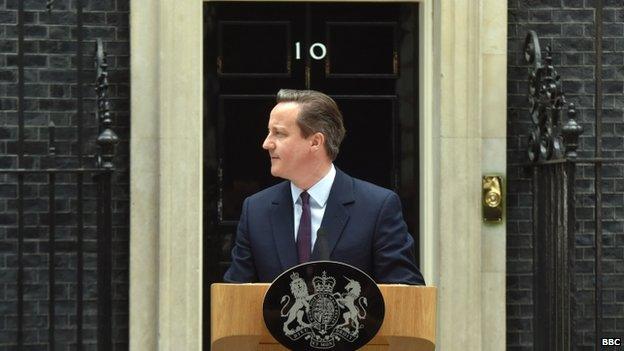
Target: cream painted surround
point(463, 136)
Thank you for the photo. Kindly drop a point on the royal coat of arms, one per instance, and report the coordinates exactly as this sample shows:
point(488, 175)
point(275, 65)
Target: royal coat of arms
point(323, 317)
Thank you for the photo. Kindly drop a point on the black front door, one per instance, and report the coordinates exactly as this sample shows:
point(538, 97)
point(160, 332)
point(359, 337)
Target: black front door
point(363, 55)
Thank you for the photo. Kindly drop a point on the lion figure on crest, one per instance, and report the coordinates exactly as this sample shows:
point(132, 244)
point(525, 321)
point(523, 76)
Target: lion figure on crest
point(299, 289)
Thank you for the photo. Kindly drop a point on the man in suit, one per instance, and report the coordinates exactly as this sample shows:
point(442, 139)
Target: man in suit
point(319, 210)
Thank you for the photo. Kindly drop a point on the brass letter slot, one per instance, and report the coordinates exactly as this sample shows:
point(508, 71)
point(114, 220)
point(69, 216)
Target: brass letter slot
point(492, 202)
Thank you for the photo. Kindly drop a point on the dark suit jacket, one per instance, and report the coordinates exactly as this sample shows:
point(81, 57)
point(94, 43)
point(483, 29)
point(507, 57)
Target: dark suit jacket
point(362, 226)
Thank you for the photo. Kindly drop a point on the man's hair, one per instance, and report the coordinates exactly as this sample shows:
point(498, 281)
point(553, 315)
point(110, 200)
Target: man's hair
point(318, 114)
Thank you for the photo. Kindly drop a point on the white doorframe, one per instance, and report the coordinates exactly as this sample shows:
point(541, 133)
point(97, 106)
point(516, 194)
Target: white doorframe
point(463, 135)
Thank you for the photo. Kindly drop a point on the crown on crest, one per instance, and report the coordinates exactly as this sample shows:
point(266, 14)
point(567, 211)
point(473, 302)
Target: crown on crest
point(324, 284)
point(294, 276)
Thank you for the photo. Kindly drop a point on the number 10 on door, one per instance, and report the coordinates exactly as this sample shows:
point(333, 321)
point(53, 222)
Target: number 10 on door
point(317, 51)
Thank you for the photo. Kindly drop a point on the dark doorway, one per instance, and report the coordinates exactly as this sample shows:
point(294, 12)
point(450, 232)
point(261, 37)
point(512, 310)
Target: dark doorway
point(364, 55)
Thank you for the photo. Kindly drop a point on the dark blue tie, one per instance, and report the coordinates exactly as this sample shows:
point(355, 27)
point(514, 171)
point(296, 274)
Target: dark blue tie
point(304, 234)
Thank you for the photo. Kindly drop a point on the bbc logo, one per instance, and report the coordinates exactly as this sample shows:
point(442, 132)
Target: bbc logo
point(611, 342)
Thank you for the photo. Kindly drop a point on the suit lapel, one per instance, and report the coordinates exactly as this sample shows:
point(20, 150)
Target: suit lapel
point(282, 223)
point(336, 214)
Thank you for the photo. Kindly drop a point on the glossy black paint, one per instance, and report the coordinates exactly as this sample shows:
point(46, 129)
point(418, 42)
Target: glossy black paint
point(371, 70)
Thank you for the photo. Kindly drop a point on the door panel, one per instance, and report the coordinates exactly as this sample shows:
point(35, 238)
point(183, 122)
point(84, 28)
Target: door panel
point(254, 39)
point(351, 51)
point(244, 167)
point(368, 149)
point(362, 45)
point(364, 56)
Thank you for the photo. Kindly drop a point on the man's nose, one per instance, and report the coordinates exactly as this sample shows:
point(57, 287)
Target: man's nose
point(267, 144)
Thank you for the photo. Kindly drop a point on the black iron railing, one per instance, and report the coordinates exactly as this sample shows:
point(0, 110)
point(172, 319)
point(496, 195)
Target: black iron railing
point(88, 172)
point(552, 151)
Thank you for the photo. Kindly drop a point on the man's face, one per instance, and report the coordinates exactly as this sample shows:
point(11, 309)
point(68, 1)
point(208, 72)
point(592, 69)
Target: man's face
point(290, 152)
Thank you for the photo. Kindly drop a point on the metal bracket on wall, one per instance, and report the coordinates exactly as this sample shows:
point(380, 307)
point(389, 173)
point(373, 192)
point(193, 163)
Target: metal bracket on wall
point(492, 198)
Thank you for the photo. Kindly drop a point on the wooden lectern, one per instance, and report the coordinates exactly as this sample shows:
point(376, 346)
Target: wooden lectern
point(237, 324)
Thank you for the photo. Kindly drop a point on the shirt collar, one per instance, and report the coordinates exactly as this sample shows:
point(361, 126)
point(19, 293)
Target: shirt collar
point(319, 192)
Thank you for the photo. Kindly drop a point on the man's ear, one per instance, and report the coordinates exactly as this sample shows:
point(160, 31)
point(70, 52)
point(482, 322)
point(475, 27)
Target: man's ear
point(317, 140)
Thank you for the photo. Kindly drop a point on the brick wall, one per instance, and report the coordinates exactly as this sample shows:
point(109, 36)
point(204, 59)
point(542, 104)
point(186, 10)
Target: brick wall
point(568, 27)
point(51, 96)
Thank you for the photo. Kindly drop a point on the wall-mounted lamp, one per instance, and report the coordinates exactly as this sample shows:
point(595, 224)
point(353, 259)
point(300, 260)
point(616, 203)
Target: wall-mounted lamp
point(492, 198)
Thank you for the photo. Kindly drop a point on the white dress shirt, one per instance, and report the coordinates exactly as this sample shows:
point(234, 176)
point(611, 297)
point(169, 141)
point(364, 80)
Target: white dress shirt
point(319, 193)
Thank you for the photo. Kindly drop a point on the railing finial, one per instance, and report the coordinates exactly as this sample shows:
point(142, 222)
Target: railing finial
point(546, 99)
point(571, 132)
point(49, 4)
point(107, 138)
